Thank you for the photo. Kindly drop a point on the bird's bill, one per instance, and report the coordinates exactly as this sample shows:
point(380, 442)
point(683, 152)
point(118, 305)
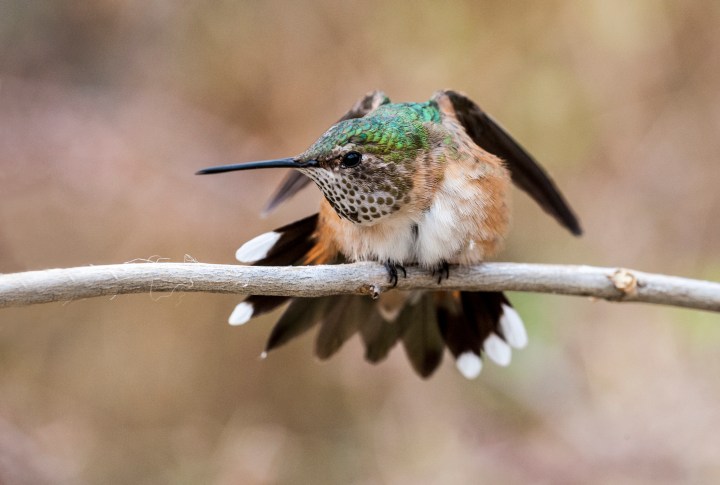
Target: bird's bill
point(279, 163)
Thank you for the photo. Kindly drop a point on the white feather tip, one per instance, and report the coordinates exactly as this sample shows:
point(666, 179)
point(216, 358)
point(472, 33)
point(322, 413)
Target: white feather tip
point(257, 248)
point(497, 350)
point(242, 313)
point(513, 328)
point(469, 365)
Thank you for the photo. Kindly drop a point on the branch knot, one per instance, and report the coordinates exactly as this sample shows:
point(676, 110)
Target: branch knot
point(625, 281)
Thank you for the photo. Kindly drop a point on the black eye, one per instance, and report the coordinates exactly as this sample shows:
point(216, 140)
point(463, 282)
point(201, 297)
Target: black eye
point(351, 159)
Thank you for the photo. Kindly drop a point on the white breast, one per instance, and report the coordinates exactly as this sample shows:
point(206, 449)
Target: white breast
point(392, 239)
point(447, 229)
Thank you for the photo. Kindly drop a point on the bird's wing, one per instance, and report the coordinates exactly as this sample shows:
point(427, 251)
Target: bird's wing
point(526, 172)
point(296, 181)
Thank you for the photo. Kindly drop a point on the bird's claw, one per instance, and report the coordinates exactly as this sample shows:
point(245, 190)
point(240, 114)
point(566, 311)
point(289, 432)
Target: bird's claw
point(392, 269)
point(442, 268)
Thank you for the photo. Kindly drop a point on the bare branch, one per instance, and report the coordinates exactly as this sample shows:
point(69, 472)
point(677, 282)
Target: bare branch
point(21, 289)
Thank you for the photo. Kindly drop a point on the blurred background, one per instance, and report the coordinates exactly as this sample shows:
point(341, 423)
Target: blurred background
point(107, 108)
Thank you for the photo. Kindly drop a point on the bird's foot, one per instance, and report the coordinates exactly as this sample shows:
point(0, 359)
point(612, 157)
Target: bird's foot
point(392, 269)
point(441, 269)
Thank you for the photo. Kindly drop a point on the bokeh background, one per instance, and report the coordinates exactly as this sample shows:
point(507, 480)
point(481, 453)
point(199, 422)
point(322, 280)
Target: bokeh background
point(108, 107)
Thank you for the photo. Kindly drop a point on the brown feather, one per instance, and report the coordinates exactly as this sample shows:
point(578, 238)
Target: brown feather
point(421, 336)
point(379, 337)
point(483, 310)
point(300, 316)
point(457, 328)
point(340, 322)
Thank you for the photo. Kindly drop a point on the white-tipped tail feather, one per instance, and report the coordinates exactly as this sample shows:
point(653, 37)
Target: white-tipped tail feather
point(257, 248)
point(497, 350)
point(469, 365)
point(242, 313)
point(512, 327)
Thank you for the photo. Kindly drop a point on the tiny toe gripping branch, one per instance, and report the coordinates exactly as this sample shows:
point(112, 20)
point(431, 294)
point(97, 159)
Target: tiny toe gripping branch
point(440, 270)
point(392, 269)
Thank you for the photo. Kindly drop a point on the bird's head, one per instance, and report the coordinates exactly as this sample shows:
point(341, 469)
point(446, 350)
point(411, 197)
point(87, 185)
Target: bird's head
point(365, 167)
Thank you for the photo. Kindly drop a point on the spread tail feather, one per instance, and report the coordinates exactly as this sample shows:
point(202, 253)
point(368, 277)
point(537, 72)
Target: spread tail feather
point(301, 315)
point(421, 336)
point(284, 246)
point(474, 324)
point(379, 336)
point(339, 323)
point(470, 324)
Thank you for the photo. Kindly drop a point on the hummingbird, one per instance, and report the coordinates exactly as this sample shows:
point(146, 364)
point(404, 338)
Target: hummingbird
point(423, 184)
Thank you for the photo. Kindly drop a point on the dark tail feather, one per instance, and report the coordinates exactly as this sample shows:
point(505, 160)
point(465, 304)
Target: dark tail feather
point(254, 306)
point(283, 246)
point(300, 316)
point(379, 336)
point(340, 316)
point(459, 332)
point(483, 308)
point(471, 324)
point(340, 322)
point(421, 336)
point(483, 324)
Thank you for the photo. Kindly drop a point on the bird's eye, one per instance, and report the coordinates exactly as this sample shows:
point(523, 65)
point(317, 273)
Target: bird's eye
point(351, 159)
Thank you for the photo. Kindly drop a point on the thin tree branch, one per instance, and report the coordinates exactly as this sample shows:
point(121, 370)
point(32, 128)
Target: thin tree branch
point(32, 287)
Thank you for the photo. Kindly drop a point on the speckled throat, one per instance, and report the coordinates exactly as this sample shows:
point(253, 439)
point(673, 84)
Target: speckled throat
point(362, 197)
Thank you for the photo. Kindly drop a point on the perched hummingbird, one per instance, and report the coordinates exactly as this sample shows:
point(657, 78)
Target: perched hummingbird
point(404, 183)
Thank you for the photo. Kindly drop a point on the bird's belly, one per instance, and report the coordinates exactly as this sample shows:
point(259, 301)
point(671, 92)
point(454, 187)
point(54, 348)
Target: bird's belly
point(427, 239)
point(392, 240)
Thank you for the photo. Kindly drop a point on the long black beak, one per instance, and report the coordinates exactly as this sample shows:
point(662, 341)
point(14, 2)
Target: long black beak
point(279, 163)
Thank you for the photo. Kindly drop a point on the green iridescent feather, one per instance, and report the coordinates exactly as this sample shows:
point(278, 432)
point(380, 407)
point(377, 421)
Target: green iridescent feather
point(392, 130)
